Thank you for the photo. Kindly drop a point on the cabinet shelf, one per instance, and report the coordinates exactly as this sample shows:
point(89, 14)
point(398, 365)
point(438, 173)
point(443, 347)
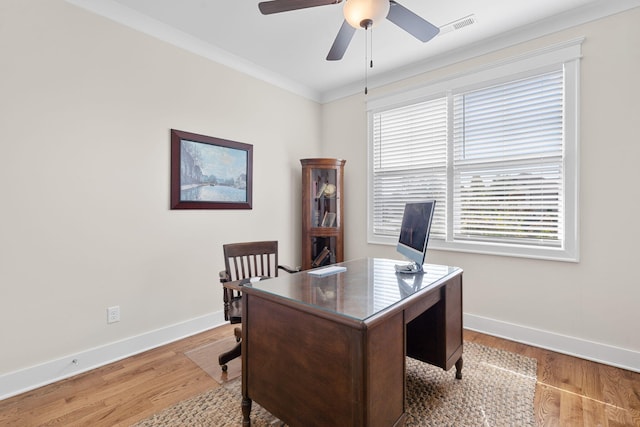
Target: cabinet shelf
point(322, 210)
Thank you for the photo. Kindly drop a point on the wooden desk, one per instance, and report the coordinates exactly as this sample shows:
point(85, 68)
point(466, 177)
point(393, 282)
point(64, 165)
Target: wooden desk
point(330, 351)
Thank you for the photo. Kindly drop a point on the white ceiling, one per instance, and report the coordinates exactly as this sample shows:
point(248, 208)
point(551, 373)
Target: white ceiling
point(289, 49)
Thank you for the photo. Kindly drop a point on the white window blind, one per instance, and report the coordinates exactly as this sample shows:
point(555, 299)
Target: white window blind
point(508, 162)
point(409, 162)
point(498, 150)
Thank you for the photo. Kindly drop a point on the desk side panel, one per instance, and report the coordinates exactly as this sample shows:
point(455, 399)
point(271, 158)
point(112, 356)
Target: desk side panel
point(299, 365)
point(385, 372)
point(453, 322)
point(435, 336)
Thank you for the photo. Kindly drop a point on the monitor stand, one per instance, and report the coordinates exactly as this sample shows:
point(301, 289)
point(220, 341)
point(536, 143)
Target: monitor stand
point(412, 268)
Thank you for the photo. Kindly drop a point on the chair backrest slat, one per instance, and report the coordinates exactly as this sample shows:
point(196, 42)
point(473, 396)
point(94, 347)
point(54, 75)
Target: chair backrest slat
point(250, 259)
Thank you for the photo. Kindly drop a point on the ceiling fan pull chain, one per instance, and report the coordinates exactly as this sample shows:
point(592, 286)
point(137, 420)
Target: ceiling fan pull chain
point(371, 48)
point(366, 59)
point(368, 52)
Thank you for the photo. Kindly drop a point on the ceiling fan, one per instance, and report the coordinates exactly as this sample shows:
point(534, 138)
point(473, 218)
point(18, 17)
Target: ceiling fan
point(359, 14)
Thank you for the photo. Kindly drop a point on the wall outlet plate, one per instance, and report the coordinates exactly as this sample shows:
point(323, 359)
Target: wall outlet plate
point(113, 314)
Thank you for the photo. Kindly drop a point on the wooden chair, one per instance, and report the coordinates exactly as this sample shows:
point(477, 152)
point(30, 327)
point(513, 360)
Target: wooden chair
point(244, 261)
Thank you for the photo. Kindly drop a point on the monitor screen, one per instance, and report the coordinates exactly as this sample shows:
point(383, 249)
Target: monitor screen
point(414, 231)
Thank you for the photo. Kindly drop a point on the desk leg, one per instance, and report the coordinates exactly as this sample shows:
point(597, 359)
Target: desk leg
point(459, 368)
point(246, 411)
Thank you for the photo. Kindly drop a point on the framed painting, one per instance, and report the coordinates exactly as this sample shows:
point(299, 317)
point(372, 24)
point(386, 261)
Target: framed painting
point(209, 172)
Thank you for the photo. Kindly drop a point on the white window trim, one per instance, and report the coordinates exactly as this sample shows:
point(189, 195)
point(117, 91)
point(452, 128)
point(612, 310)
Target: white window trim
point(568, 54)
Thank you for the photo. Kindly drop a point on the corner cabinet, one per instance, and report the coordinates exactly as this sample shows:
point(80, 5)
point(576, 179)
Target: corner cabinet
point(322, 212)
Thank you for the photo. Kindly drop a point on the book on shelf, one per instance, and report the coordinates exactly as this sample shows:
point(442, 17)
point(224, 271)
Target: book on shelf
point(329, 219)
point(323, 256)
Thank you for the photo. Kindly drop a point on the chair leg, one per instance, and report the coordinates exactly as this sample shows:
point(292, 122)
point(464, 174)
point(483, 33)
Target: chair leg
point(228, 356)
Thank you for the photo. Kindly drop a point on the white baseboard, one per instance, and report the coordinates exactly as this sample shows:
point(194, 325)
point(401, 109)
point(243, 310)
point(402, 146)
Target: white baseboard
point(14, 383)
point(596, 352)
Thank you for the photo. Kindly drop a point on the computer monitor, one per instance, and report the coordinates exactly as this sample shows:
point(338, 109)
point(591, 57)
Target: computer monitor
point(414, 234)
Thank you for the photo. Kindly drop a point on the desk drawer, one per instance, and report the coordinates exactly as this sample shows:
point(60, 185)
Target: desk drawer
point(423, 305)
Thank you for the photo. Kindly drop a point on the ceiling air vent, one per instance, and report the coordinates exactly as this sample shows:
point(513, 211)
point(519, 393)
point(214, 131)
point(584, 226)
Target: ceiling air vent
point(458, 24)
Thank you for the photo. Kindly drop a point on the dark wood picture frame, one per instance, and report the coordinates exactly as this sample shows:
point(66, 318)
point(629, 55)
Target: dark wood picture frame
point(209, 172)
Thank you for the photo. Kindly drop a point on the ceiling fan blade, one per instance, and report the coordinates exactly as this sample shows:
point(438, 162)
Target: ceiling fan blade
point(277, 6)
point(411, 23)
point(341, 43)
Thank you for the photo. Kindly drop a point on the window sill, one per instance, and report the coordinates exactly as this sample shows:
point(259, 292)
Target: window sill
point(484, 248)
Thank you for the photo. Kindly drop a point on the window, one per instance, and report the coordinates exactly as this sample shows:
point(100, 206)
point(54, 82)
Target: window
point(497, 149)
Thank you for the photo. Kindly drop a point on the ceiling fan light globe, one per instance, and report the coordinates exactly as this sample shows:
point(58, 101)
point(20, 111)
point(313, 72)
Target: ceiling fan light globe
point(357, 11)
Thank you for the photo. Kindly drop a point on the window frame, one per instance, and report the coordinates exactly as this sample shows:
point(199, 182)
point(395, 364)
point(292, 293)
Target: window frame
point(564, 55)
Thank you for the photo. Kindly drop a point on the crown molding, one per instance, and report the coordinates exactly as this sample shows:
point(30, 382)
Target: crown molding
point(569, 19)
point(159, 30)
point(140, 22)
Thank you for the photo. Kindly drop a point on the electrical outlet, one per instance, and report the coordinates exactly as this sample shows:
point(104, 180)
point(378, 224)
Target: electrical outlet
point(113, 314)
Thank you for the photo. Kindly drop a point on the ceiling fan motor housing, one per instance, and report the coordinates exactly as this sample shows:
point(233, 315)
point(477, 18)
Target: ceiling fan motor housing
point(365, 13)
point(359, 14)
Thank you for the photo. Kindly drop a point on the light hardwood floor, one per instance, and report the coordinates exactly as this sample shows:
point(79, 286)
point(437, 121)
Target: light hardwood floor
point(570, 391)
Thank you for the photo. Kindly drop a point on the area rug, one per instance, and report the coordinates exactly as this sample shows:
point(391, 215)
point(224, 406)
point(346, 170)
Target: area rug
point(497, 389)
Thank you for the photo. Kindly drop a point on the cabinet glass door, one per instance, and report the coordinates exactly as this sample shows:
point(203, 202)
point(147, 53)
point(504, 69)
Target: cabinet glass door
point(323, 203)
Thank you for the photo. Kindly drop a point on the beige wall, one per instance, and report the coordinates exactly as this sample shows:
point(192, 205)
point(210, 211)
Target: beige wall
point(593, 302)
point(86, 106)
